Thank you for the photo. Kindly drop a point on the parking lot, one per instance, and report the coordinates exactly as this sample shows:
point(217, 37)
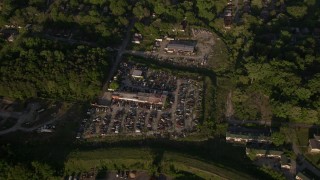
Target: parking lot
point(178, 114)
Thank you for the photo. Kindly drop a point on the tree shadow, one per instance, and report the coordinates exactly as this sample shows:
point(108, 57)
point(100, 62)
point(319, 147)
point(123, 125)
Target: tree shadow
point(184, 175)
point(158, 156)
point(313, 130)
point(102, 173)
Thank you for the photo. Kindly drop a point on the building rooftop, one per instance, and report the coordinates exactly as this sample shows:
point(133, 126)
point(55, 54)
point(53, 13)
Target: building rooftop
point(182, 45)
point(265, 152)
point(314, 144)
point(248, 136)
point(285, 160)
point(302, 176)
point(141, 97)
point(317, 137)
point(136, 73)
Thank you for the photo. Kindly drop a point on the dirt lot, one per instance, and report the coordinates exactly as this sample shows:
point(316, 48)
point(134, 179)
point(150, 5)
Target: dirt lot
point(205, 45)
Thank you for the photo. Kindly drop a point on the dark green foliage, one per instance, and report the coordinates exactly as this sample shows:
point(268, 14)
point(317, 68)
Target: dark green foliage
point(278, 138)
point(36, 171)
point(280, 59)
point(43, 68)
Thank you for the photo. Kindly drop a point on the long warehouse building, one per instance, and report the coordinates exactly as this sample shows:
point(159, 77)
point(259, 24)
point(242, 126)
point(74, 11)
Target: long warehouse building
point(141, 97)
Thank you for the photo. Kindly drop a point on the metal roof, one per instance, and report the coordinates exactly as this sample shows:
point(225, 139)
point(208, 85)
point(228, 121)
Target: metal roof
point(182, 45)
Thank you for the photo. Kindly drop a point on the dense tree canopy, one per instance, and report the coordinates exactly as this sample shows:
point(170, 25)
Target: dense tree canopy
point(280, 59)
point(37, 171)
point(44, 68)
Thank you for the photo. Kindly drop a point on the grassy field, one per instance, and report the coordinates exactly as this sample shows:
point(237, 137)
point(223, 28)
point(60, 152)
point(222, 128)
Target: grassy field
point(302, 137)
point(218, 58)
point(147, 159)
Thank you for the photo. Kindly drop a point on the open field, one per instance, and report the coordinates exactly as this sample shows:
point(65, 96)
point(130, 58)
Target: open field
point(144, 159)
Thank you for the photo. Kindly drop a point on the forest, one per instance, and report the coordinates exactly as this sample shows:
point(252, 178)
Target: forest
point(277, 58)
point(48, 69)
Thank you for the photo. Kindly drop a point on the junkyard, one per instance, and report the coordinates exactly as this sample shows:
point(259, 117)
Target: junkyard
point(146, 102)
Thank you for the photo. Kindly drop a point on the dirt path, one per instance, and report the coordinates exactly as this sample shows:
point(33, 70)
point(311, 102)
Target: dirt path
point(229, 107)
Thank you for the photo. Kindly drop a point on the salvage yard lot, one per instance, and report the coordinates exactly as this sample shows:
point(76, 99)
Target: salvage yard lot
point(147, 101)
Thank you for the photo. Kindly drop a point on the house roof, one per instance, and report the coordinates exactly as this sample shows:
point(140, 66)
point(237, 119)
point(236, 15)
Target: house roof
point(247, 136)
point(285, 160)
point(264, 151)
point(182, 45)
point(136, 72)
point(314, 144)
point(316, 137)
point(302, 176)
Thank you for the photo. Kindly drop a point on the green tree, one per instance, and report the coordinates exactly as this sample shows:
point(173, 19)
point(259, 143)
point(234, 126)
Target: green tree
point(205, 9)
point(41, 171)
point(118, 7)
point(114, 85)
point(297, 11)
point(278, 138)
point(140, 11)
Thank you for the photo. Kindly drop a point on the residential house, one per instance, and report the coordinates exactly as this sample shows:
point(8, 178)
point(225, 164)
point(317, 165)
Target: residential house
point(264, 152)
point(301, 176)
point(12, 37)
point(228, 19)
point(314, 146)
point(246, 137)
point(136, 73)
point(285, 162)
point(137, 38)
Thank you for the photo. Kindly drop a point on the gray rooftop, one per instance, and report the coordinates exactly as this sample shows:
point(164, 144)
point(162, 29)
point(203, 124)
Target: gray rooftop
point(182, 45)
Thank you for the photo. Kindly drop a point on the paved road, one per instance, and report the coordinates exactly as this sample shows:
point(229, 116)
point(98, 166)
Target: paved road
point(6, 114)
point(119, 55)
point(306, 164)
